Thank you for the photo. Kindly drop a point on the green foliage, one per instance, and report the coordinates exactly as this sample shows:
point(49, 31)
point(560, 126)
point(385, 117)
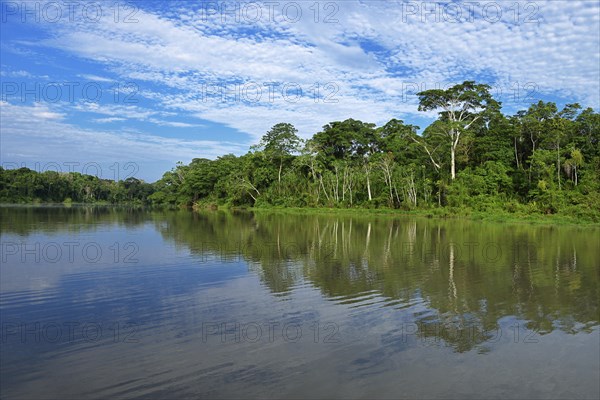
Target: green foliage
point(27, 186)
point(542, 160)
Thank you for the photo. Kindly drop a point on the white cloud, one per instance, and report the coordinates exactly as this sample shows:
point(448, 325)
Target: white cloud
point(96, 78)
point(41, 112)
point(28, 127)
point(118, 112)
point(21, 74)
point(109, 119)
point(373, 54)
point(563, 44)
point(174, 124)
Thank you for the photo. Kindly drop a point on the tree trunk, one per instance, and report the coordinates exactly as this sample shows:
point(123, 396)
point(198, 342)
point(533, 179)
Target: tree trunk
point(516, 153)
point(323, 186)
point(397, 196)
point(452, 162)
point(369, 186)
point(279, 177)
point(337, 186)
point(558, 165)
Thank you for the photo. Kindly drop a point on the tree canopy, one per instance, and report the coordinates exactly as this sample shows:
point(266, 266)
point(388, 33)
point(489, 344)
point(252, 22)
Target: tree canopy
point(543, 159)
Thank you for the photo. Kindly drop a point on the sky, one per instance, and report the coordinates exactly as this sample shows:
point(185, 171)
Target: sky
point(128, 89)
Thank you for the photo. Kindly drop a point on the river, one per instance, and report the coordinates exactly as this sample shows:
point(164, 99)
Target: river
point(107, 302)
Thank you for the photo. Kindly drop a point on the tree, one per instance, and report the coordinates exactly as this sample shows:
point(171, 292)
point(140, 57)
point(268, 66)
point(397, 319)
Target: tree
point(587, 136)
point(559, 128)
point(462, 105)
point(366, 143)
point(335, 141)
point(543, 157)
point(572, 164)
point(279, 143)
point(200, 179)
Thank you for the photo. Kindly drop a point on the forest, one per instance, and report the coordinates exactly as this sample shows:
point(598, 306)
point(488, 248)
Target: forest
point(472, 158)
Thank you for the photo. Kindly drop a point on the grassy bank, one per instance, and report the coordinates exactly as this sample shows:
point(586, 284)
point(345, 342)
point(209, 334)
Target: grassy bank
point(441, 213)
point(499, 216)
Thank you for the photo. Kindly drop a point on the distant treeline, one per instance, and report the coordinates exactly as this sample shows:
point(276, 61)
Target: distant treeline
point(24, 185)
point(473, 157)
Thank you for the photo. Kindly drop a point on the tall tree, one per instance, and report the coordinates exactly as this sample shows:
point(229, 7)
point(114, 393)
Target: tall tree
point(366, 143)
point(461, 106)
point(279, 143)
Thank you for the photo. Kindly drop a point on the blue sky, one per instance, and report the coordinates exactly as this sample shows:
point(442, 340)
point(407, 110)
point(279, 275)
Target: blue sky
point(121, 89)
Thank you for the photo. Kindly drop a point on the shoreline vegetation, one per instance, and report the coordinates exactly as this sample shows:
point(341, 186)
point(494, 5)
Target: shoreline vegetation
point(540, 165)
point(436, 213)
point(443, 213)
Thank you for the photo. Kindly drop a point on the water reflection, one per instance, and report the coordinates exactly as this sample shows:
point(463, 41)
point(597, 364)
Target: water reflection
point(470, 274)
point(373, 295)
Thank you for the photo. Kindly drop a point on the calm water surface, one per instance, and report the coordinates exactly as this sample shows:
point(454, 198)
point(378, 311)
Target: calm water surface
point(101, 302)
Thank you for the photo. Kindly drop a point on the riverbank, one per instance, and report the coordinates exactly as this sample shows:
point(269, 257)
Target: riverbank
point(499, 216)
point(441, 213)
point(74, 204)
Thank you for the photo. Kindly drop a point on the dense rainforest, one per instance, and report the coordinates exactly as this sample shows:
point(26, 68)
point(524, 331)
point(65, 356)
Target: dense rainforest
point(543, 160)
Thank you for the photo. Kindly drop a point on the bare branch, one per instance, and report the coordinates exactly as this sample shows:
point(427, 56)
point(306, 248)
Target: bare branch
point(435, 164)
